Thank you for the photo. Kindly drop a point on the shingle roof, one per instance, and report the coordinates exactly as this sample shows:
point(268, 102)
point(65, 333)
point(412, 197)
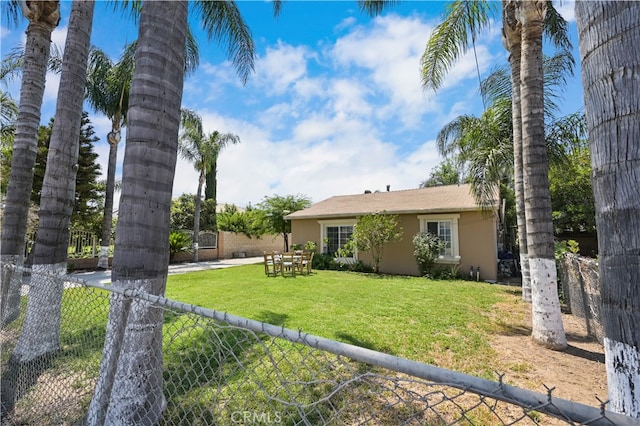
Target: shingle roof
point(436, 199)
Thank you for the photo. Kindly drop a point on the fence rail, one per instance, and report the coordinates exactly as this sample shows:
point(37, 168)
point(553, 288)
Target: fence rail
point(85, 244)
point(223, 369)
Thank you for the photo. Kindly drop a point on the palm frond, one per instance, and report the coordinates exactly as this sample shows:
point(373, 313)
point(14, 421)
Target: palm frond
point(8, 110)
point(375, 7)
point(13, 61)
point(566, 135)
point(98, 69)
point(193, 53)
point(12, 64)
point(12, 12)
point(190, 121)
point(132, 8)
point(55, 58)
point(277, 7)
point(222, 20)
point(497, 84)
point(451, 38)
point(449, 138)
point(555, 28)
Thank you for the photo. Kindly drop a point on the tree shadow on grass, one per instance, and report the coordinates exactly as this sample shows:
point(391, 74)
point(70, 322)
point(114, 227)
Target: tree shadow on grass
point(353, 340)
point(272, 318)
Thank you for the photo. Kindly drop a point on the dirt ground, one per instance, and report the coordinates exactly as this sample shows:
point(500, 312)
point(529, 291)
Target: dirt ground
point(577, 373)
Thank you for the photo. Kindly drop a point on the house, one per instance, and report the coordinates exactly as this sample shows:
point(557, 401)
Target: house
point(450, 211)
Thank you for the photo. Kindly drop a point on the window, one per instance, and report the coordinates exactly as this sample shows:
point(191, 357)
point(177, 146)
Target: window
point(446, 228)
point(335, 235)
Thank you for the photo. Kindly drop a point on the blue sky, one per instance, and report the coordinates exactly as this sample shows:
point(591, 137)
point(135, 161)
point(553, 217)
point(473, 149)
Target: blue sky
point(335, 104)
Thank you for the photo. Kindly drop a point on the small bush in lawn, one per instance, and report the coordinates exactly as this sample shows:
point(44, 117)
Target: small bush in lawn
point(426, 249)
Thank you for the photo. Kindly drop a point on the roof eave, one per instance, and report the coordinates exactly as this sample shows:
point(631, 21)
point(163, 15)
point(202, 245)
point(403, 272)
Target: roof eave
point(398, 212)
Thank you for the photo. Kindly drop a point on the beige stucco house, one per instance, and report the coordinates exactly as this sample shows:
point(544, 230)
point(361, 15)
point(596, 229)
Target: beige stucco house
point(450, 211)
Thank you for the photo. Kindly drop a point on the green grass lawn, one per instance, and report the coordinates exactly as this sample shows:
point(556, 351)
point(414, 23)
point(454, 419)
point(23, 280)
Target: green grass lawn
point(446, 323)
point(211, 371)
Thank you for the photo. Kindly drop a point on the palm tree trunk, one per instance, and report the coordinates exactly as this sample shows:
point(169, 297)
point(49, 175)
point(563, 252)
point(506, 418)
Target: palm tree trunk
point(58, 192)
point(609, 39)
point(512, 36)
point(113, 138)
point(130, 391)
point(196, 215)
point(14, 225)
point(547, 328)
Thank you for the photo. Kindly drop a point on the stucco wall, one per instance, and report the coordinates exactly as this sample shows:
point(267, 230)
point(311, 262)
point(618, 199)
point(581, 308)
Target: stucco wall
point(477, 239)
point(478, 244)
point(230, 244)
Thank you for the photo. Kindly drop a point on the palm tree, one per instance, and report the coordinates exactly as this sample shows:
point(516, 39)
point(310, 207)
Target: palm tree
point(482, 148)
point(11, 67)
point(127, 391)
point(202, 150)
point(43, 17)
point(547, 327)
point(58, 192)
point(108, 85)
point(108, 92)
point(448, 41)
point(609, 36)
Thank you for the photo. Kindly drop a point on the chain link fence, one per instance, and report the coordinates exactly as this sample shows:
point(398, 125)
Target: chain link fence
point(580, 280)
point(219, 369)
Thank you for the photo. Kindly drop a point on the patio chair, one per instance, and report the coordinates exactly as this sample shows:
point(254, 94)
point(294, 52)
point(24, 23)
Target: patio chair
point(298, 259)
point(307, 260)
point(271, 266)
point(288, 265)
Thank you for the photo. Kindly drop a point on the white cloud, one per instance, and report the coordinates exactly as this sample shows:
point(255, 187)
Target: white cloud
point(389, 52)
point(50, 95)
point(350, 98)
point(320, 132)
point(59, 37)
point(566, 8)
point(281, 67)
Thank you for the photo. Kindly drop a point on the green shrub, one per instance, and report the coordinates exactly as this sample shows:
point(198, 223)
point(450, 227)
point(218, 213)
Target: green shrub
point(328, 262)
point(324, 261)
point(426, 249)
point(311, 246)
point(179, 242)
point(451, 272)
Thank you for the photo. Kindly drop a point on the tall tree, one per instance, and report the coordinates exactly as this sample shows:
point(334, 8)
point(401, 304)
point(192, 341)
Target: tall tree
point(58, 192)
point(128, 391)
point(202, 150)
point(107, 91)
point(108, 85)
point(375, 230)
point(547, 327)
point(511, 36)
point(445, 173)
point(88, 191)
point(43, 17)
point(609, 37)
point(276, 208)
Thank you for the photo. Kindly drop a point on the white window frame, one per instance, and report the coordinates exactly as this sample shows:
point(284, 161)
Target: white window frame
point(324, 224)
point(455, 236)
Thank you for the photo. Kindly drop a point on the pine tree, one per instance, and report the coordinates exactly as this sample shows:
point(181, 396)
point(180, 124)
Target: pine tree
point(88, 199)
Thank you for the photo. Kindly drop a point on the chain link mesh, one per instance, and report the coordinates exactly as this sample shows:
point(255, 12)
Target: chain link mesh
point(224, 370)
